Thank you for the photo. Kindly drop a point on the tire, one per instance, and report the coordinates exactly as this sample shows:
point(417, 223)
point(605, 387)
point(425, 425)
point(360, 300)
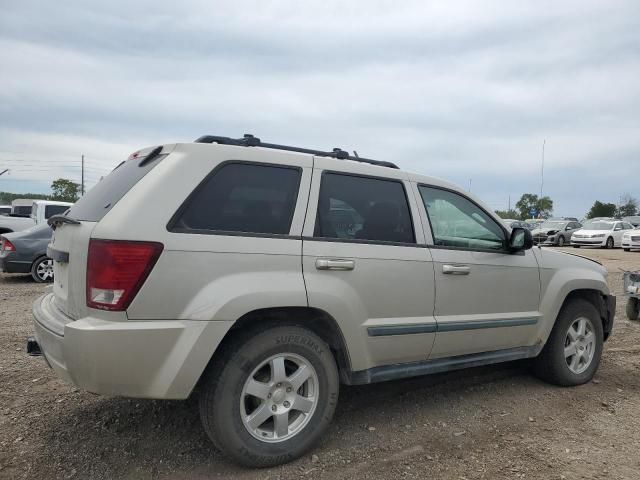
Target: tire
point(610, 243)
point(633, 308)
point(226, 408)
point(42, 270)
point(575, 246)
point(552, 365)
point(627, 249)
point(561, 241)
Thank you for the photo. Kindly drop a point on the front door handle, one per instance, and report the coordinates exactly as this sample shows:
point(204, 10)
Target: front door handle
point(456, 269)
point(334, 264)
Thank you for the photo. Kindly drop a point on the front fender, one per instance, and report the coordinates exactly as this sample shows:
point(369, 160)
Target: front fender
point(558, 284)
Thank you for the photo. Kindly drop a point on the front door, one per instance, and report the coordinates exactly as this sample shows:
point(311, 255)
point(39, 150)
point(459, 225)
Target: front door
point(365, 264)
point(487, 298)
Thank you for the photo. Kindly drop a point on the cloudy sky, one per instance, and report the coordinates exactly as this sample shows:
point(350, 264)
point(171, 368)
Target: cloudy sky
point(466, 91)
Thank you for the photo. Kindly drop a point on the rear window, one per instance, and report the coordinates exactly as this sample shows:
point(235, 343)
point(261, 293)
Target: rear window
point(108, 191)
point(241, 197)
point(22, 210)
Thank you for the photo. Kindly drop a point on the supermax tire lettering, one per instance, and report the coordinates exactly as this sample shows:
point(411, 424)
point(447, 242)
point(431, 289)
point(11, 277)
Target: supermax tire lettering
point(301, 340)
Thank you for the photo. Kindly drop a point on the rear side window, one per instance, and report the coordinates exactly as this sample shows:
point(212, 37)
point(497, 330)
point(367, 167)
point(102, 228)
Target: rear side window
point(242, 197)
point(51, 210)
point(108, 191)
point(363, 208)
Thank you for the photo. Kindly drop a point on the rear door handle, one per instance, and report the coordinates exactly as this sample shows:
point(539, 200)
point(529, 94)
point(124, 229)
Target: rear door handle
point(334, 264)
point(456, 269)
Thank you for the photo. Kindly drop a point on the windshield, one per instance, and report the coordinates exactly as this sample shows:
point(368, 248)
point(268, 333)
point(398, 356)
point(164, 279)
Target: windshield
point(552, 225)
point(599, 226)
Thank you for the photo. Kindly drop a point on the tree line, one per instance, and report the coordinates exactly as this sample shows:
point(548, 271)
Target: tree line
point(543, 207)
point(62, 190)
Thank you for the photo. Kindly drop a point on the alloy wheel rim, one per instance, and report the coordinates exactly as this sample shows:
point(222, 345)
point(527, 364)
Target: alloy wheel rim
point(610, 242)
point(279, 397)
point(580, 345)
point(44, 269)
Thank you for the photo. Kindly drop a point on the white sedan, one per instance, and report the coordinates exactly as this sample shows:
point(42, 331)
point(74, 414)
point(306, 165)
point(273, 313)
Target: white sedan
point(600, 233)
point(631, 239)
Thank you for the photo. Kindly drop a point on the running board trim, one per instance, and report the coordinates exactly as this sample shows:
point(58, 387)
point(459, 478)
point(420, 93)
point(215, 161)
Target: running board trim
point(439, 365)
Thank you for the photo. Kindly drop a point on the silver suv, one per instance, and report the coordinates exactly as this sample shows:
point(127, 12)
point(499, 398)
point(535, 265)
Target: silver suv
point(263, 276)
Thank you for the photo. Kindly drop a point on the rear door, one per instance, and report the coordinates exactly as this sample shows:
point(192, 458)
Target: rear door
point(486, 298)
point(364, 262)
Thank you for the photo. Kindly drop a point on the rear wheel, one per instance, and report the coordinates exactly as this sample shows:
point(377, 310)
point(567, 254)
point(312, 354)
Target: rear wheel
point(576, 246)
point(269, 397)
point(633, 308)
point(561, 241)
point(572, 353)
point(42, 270)
point(627, 249)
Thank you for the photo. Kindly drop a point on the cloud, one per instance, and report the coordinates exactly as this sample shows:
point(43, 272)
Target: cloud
point(458, 90)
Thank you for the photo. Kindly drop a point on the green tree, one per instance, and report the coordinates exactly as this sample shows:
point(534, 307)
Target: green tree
point(64, 190)
point(508, 214)
point(601, 209)
point(530, 201)
point(628, 206)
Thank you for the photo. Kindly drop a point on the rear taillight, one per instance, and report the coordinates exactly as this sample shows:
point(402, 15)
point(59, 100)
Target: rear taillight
point(7, 246)
point(116, 270)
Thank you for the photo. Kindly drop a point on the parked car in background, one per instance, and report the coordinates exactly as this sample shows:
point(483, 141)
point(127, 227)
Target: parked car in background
point(601, 233)
point(555, 232)
point(634, 220)
point(631, 239)
point(22, 206)
point(268, 275)
point(26, 252)
point(39, 212)
point(5, 209)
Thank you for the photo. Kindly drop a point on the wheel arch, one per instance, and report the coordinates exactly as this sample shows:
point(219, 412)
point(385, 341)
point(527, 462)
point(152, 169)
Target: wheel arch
point(315, 319)
point(597, 299)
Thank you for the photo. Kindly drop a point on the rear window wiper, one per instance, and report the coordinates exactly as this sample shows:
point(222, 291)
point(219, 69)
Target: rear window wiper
point(56, 220)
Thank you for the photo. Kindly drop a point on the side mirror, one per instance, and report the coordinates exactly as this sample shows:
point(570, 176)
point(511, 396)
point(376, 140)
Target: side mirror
point(520, 239)
point(568, 228)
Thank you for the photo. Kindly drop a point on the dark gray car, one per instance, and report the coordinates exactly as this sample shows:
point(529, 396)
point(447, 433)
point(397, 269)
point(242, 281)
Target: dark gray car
point(555, 232)
point(26, 252)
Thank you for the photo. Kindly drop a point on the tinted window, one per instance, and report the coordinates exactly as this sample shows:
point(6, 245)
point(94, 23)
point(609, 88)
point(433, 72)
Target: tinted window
point(108, 191)
point(362, 208)
point(22, 210)
point(241, 197)
point(458, 222)
point(51, 210)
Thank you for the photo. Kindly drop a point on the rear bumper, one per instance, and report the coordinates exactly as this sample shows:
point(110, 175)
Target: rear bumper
point(146, 359)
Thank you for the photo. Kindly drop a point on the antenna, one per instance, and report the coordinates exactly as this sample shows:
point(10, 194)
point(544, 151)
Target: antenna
point(542, 168)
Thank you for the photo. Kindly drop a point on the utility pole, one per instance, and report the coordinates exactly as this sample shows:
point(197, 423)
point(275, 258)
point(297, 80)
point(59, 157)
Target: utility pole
point(509, 209)
point(542, 168)
point(469, 185)
point(82, 187)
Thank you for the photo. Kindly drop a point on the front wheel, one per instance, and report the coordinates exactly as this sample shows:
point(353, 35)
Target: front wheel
point(42, 270)
point(269, 397)
point(572, 353)
point(633, 308)
point(575, 246)
point(609, 243)
point(627, 249)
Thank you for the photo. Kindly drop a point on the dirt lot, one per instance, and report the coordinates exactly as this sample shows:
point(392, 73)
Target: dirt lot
point(492, 422)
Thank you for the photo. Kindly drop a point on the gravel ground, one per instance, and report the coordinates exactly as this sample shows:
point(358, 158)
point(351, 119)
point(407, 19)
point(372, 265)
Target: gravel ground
point(491, 422)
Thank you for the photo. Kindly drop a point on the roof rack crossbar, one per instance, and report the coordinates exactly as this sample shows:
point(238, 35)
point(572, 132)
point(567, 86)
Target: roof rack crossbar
point(249, 140)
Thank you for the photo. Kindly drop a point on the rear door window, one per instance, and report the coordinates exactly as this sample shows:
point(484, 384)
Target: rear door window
point(242, 198)
point(108, 191)
point(352, 207)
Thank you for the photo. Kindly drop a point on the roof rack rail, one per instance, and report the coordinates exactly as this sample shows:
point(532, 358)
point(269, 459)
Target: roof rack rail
point(249, 140)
